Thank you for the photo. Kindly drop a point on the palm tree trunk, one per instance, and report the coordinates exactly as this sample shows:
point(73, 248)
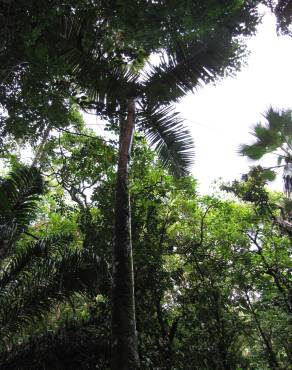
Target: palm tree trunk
point(124, 335)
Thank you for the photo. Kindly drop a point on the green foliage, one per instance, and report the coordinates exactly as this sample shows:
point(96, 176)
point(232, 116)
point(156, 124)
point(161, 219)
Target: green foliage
point(18, 196)
point(212, 284)
point(77, 344)
point(283, 12)
point(197, 259)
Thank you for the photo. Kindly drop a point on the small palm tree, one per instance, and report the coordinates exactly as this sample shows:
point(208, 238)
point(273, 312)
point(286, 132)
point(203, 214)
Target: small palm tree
point(40, 275)
point(274, 137)
point(36, 275)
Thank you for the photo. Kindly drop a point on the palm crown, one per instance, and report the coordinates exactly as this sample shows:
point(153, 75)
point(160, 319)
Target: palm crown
point(155, 89)
point(274, 137)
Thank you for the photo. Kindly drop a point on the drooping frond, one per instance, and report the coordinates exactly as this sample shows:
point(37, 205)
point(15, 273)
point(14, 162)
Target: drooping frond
point(187, 67)
point(110, 87)
point(172, 140)
point(24, 258)
point(35, 280)
point(18, 195)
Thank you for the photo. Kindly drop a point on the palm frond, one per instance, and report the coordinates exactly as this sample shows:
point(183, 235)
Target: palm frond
point(279, 121)
point(24, 258)
point(18, 195)
point(8, 233)
point(270, 136)
point(68, 346)
point(187, 67)
point(112, 86)
point(255, 151)
point(172, 140)
point(47, 273)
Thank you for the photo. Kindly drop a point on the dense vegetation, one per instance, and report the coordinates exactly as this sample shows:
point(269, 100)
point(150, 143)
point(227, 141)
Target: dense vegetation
point(102, 239)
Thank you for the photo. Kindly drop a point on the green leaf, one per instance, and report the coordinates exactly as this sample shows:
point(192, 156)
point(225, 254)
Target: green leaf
point(172, 140)
point(252, 151)
point(270, 175)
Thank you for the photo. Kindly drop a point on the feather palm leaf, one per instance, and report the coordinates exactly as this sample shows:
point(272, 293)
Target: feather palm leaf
point(188, 66)
point(77, 343)
point(19, 193)
point(166, 132)
point(41, 275)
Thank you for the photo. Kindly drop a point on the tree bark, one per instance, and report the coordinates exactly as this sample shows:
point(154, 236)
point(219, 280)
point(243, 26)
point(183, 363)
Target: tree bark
point(124, 335)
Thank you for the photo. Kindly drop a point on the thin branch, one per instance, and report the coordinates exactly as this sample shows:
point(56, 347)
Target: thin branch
point(198, 244)
point(84, 135)
point(29, 234)
point(276, 275)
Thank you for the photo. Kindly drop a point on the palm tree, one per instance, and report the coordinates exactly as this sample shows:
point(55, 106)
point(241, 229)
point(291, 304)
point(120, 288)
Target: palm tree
point(146, 100)
point(127, 98)
point(36, 275)
point(40, 275)
point(275, 136)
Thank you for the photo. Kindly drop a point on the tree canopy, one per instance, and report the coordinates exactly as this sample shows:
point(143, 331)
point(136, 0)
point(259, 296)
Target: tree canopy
point(104, 240)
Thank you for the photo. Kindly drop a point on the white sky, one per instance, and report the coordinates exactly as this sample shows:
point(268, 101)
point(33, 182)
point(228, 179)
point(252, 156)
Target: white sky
point(220, 117)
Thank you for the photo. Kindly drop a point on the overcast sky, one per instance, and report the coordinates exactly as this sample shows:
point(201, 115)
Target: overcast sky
point(221, 116)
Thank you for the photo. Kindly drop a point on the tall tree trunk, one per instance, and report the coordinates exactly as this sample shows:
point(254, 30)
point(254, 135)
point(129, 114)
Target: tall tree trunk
point(124, 335)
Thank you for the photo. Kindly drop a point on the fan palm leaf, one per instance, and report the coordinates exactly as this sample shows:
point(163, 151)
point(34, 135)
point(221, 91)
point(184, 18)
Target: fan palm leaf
point(275, 134)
